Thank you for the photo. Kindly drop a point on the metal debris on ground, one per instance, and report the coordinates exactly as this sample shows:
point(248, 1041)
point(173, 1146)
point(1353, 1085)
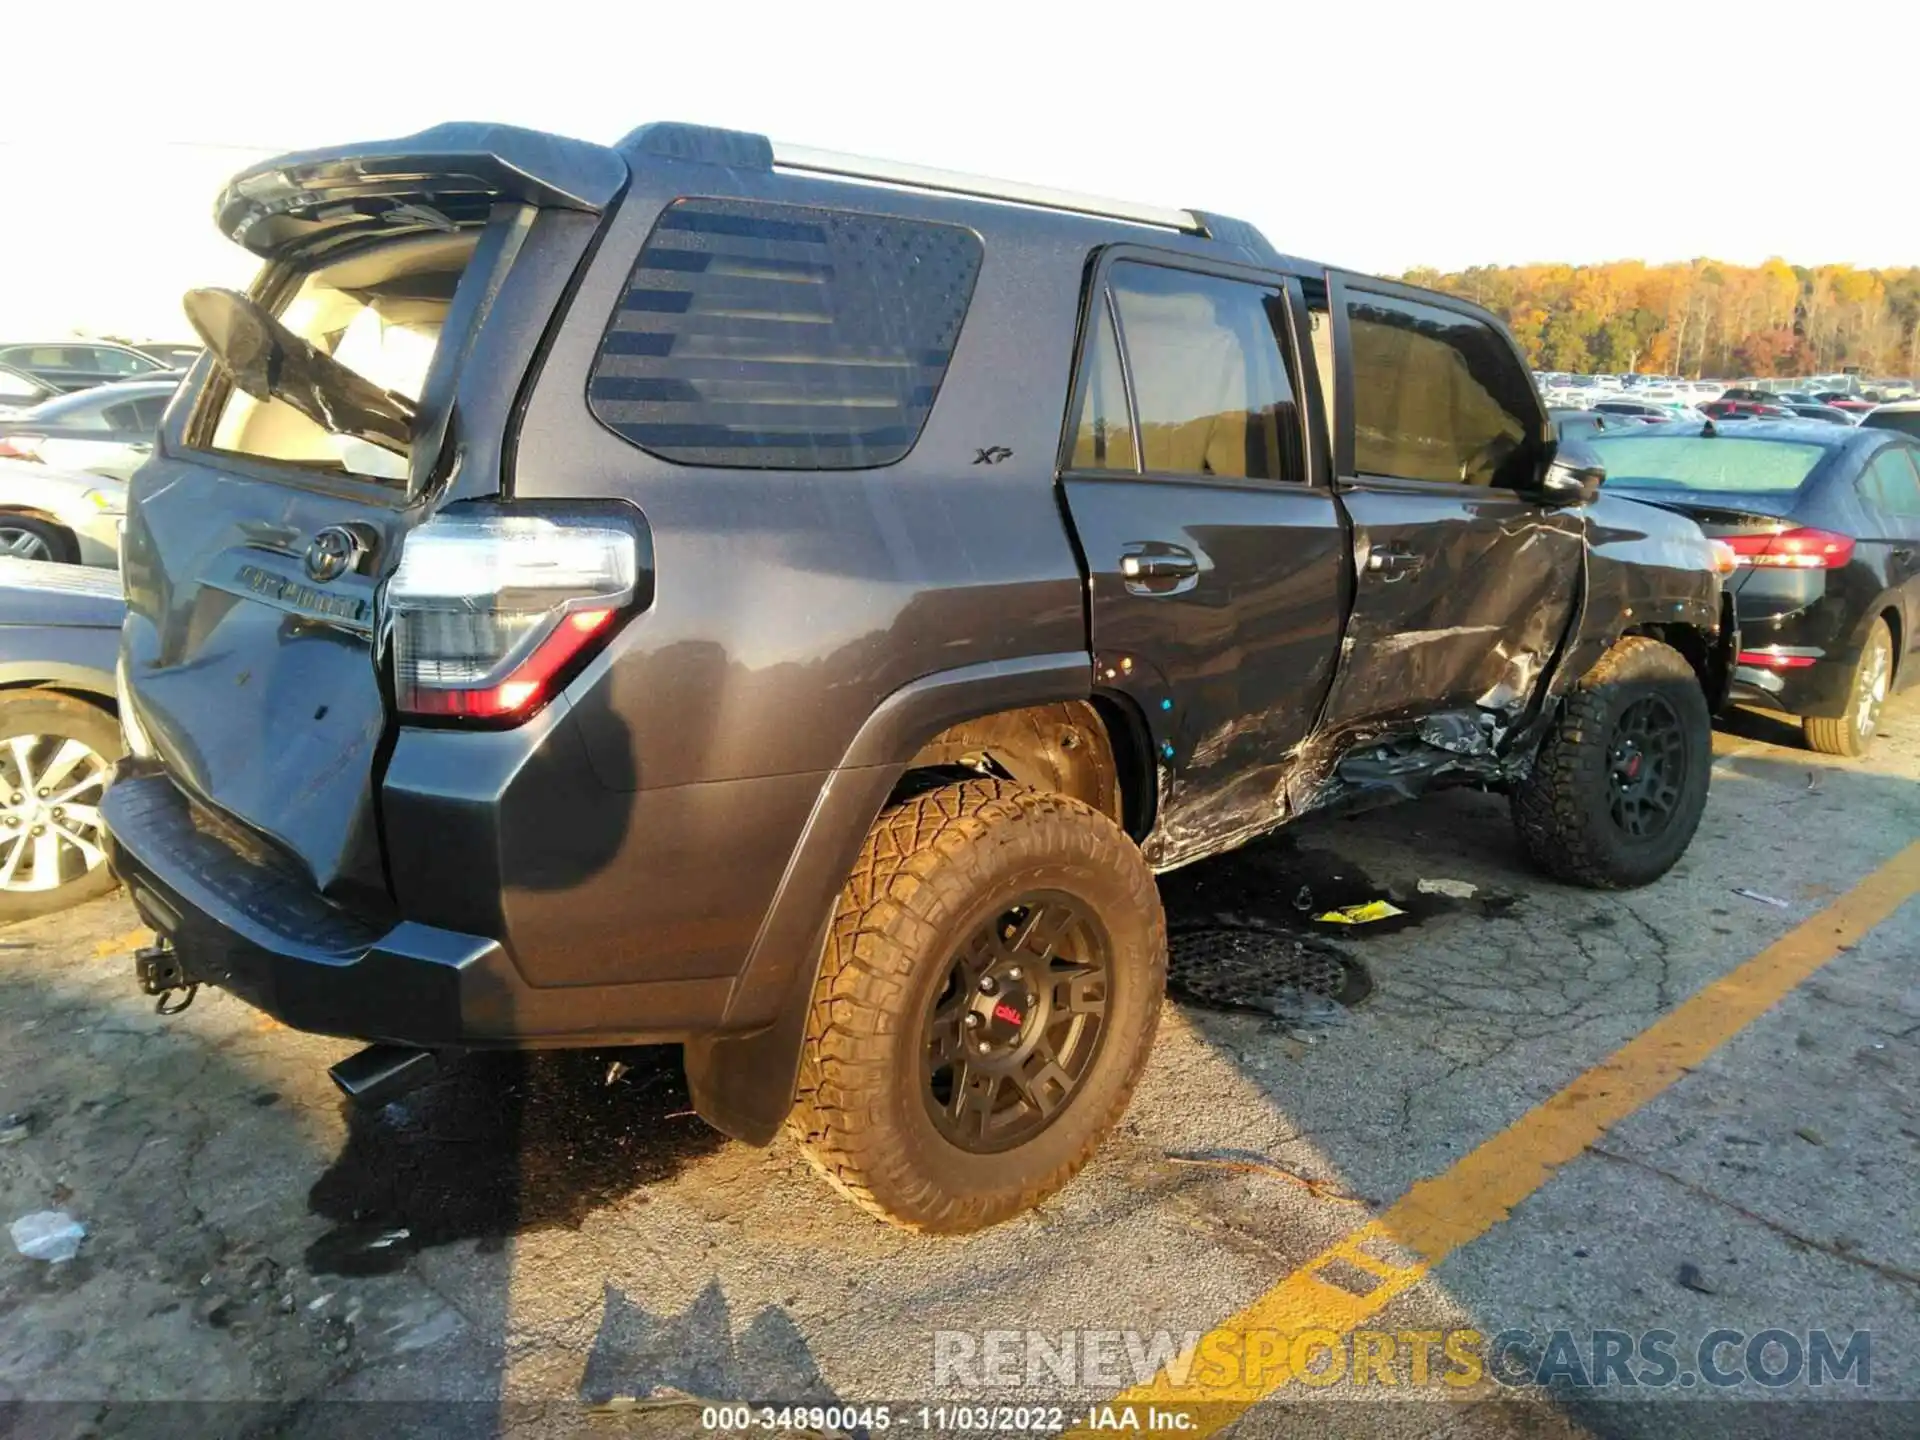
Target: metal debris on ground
point(50, 1235)
point(1689, 1276)
point(15, 1128)
point(1319, 1189)
point(1360, 914)
point(1452, 889)
point(1236, 963)
point(616, 1070)
point(1772, 900)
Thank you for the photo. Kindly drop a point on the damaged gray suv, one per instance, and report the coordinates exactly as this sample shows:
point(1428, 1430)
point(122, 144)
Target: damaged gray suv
point(706, 591)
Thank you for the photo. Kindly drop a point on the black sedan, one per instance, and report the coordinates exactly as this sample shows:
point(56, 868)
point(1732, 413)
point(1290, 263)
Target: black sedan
point(59, 738)
point(1824, 522)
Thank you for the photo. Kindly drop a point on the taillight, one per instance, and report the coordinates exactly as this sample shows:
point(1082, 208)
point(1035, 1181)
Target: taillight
point(21, 447)
point(1801, 549)
point(491, 613)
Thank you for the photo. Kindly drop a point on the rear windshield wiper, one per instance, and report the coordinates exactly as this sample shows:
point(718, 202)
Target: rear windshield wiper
point(270, 362)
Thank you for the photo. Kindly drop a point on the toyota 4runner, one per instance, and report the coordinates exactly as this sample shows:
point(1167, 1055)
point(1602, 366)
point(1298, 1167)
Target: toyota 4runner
point(706, 591)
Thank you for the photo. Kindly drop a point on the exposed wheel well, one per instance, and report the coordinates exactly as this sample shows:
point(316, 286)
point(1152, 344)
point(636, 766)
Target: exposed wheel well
point(1698, 647)
point(1093, 750)
point(1892, 616)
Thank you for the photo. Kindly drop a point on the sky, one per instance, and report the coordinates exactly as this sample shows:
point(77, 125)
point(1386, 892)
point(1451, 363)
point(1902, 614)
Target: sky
point(1372, 136)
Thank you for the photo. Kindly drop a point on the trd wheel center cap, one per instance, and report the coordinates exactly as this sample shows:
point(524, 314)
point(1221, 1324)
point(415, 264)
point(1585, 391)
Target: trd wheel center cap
point(1006, 1013)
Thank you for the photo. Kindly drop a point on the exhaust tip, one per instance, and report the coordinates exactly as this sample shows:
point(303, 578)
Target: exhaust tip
point(380, 1073)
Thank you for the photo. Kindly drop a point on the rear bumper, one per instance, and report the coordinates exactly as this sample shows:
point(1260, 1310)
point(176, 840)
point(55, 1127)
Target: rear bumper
point(1821, 689)
point(239, 918)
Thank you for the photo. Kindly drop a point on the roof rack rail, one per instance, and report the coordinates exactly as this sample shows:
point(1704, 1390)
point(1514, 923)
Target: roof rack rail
point(955, 182)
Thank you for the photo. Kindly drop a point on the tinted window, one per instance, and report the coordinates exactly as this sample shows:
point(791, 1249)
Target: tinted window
point(1103, 436)
point(1890, 484)
point(118, 362)
point(1907, 422)
point(1705, 462)
point(1209, 383)
point(783, 336)
point(83, 410)
point(147, 412)
point(1437, 396)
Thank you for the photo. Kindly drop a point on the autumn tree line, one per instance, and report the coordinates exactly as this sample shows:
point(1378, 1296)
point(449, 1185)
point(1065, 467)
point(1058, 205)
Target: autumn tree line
point(1701, 318)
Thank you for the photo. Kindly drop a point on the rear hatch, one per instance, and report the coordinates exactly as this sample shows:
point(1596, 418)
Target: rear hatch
point(259, 533)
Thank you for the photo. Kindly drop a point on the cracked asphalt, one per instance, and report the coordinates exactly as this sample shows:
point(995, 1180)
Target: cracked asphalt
point(561, 1228)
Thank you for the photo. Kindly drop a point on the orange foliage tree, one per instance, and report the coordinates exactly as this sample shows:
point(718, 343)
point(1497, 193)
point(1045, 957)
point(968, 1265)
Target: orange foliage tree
point(1701, 317)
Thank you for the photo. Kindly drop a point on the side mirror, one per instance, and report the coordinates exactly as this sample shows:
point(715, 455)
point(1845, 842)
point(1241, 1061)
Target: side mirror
point(1572, 475)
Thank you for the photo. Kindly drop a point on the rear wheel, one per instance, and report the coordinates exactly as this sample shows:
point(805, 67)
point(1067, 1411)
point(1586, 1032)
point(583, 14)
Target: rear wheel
point(985, 1006)
point(27, 537)
point(55, 756)
point(1851, 733)
point(1620, 783)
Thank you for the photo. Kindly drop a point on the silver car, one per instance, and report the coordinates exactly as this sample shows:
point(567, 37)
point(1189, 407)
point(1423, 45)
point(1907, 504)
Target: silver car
point(48, 514)
point(107, 430)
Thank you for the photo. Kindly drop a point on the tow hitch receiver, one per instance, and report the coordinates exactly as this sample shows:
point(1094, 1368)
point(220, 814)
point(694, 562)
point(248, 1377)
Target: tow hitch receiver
point(158, 969)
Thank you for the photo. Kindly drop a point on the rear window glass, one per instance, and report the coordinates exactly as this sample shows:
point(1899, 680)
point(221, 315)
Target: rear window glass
point(379, 313)
point(1706, 462)
point(1907, 422)
point(783, 336)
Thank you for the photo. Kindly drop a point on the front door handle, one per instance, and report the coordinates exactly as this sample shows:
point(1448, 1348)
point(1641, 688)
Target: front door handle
point(1153, 567)
point(1393, 562)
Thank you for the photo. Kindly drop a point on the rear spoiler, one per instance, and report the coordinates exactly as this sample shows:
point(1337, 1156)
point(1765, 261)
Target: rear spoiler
point(452, 174)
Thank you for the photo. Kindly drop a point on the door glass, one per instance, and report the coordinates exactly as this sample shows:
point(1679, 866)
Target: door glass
point(1103, 440)
point(1437, 396)
point(1212, 390)
point(1890, 484)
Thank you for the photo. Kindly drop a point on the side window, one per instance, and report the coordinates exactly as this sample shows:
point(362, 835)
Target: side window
point(1209, 382)
point(1890, 484)
point(783, 336)
point(113, 362)
point(148, 412)
point(1437, 396)
point(122, 417)
point(1103, 437)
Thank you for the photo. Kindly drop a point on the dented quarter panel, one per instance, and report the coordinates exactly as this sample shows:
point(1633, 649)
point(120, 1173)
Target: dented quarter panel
point(1646, 566)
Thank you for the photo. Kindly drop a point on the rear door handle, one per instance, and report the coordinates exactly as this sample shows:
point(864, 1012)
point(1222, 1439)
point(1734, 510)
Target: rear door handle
point(1153, 567)
point(1393, 562)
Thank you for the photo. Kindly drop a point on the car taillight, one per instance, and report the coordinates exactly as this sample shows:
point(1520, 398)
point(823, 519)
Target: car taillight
point(1801, 549)
point(21, 447)
point(491, 614)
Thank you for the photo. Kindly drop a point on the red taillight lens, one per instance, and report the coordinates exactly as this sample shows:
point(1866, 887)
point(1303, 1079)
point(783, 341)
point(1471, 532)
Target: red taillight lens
point(491, 614)
point(21, 447)
point(1801, 549)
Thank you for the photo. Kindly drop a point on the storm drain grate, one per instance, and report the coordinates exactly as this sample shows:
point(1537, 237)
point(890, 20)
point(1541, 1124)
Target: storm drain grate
point(1250, 967)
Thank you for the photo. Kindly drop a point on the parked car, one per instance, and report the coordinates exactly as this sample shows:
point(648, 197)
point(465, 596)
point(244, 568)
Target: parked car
point(1825, 523)
point(20, 391)
point(1851, 403)
point(54, 515)
point(107, 430)
point(1572, 422)
point(1832, 415)
point(1724, 409)
point(765, 702)
point(1902, 415)
point(59, 634)
point(171, 357)
point(78, 364)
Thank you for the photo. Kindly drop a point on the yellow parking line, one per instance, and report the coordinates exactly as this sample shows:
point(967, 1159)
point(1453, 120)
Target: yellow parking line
point(1438, 1216)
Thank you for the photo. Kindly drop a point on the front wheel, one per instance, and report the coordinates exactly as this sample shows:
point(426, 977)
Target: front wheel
point(1851, 733)
point(985, 1006)
point(1619, 784)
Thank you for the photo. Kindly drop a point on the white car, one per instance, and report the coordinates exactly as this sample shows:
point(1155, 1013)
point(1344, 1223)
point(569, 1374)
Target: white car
point(48, 514)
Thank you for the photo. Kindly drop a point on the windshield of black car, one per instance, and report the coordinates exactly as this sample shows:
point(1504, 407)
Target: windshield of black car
point(379, 313)
point(1723, 463)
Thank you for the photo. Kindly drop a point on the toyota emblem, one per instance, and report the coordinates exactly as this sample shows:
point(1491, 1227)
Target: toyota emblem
point(333, 552)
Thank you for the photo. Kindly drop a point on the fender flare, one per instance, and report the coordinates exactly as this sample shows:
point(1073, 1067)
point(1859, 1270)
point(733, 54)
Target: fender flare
point(743, 1083)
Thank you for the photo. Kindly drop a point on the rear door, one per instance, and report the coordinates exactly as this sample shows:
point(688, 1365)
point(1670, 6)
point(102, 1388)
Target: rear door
point(1217, 565)
point(256, 537)
point(1465, 586)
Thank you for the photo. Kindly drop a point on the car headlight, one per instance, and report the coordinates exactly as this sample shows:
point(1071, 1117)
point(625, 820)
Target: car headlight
point(106, 502)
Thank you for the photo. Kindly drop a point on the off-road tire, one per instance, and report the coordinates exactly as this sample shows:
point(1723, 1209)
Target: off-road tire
point(932, 869)
point(1843, 734)
point(47, 712)
point(1561, 810)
